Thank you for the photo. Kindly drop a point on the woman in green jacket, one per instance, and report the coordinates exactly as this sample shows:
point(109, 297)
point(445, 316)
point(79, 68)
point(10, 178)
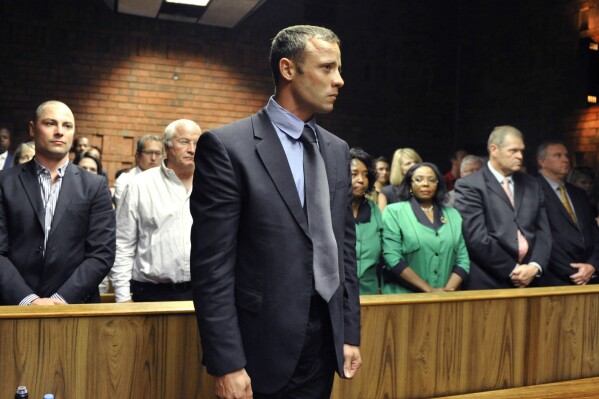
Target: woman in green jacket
point(369, 224)
point(423, 246)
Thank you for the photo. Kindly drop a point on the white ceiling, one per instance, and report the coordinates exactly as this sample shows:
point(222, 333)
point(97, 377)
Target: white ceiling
point(223, 13)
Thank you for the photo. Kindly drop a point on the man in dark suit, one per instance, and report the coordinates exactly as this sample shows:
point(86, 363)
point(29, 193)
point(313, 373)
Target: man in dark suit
point(575, 250)
point(6, 158)
point(262, 309)
point(504, 219)
point(57, 227)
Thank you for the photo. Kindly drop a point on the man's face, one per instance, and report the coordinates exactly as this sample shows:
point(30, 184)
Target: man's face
point(509, 158)
point(53, 131)
point(316, 82)
point(150, 156)
point(471, 168)
point(181, 153)
point(4, 140)
point(556, 164)
point(82, 145)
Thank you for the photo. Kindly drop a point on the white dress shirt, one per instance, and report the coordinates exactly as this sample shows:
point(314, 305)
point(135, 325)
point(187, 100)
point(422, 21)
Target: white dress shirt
point(121, 184)
point(153, 227)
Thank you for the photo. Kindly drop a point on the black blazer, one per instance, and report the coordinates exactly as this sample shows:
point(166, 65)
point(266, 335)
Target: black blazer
point(490, 225)
point(9, 161)
point(572, 242)
point(251, 255)
point(81, 245)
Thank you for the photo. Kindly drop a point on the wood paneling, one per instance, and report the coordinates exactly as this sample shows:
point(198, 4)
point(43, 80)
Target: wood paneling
point(413, 346)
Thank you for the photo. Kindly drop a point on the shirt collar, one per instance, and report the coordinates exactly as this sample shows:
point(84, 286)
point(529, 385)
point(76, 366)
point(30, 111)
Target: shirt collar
point(4, 155)
point(498, 175)
point(554, 184)
point(40, 169)
point(285, 121)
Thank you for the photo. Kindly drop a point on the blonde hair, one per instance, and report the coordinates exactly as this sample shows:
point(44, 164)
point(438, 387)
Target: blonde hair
point(396, 175)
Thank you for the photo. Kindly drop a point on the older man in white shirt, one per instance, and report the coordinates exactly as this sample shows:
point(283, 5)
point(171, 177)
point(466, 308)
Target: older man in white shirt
point(154, 224)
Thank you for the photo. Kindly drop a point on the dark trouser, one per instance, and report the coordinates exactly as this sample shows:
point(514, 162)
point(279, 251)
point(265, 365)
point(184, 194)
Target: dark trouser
point(150, 292)
point(315, 371)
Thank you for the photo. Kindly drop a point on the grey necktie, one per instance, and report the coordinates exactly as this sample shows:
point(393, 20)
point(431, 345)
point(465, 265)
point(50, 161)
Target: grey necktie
point(317, 203)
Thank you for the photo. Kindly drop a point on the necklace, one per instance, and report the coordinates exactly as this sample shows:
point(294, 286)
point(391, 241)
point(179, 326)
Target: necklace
point(427, 209)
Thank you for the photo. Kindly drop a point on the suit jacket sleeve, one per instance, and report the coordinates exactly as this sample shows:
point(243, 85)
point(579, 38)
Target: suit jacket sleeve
point(13, 287)
point(99, 248)
point(541, 250)
point(484, 250)
point(215, 206)
point(352, 287)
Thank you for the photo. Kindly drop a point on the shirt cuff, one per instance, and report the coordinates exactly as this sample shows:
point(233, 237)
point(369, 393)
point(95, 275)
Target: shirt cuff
point(535, 264)
point(57, 296)
point(28, 299)
point(122, 293)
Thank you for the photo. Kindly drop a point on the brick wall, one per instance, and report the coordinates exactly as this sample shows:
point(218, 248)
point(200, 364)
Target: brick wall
point(432, 75)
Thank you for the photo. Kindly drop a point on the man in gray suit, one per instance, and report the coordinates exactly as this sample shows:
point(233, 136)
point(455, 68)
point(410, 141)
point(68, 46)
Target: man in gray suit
point(267, 329)
point(504, 218)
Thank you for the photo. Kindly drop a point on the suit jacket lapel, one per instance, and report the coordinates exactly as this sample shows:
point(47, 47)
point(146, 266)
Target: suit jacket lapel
point(328, 156)
point(32, 189)
point(494, 185)
point(68, 186)
point(273, 156)
point(519, 189)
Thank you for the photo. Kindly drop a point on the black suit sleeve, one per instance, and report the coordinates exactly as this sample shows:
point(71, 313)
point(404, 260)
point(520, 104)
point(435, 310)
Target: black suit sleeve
point(215, 205)
point(100, 243)
point(483, 248)
point(351, 302)
point(13, 287)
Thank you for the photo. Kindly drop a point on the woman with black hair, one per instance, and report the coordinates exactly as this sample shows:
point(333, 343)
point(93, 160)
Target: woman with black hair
point(423, 245)
point(369, 224)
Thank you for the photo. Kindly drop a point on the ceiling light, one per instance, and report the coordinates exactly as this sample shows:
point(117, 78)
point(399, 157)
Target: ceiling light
point(201, 3)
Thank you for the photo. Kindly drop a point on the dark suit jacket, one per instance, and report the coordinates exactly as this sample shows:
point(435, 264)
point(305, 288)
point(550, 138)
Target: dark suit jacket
point(81, 245)
point(251, 257)
point(572, 242)
point(8, 162)
point(490, 225)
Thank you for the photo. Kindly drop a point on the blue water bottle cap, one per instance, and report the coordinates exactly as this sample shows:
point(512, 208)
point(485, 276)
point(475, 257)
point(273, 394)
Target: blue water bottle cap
point(48, 396)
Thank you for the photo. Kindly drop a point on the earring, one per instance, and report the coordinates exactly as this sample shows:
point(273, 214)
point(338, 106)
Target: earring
point(411, 192)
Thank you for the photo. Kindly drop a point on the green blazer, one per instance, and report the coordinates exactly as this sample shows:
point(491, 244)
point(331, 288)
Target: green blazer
point(433, 253)
point(369, 235)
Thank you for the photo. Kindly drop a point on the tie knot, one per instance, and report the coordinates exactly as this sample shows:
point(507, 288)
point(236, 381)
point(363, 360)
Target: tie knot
point(506, 182)
point(307, 136)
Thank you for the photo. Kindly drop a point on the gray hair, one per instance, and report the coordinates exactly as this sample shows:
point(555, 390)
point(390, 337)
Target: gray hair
point(542, 148)
point(172, 128)
point(499, 134)
point(142, 141)
point(291, 43)
point(470, 160)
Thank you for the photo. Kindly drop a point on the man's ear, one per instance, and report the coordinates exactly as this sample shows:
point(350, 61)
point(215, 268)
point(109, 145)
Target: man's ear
point(31, 130)
point(287, 69)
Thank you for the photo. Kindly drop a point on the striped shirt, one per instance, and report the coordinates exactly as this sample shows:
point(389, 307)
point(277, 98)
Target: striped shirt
point(49, 191)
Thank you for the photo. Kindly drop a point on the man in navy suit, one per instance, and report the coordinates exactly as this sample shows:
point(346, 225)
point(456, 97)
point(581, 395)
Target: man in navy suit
point(265, 328)
point(575, 250)
point(57, 225)
point(504, 219)
point(6, 158)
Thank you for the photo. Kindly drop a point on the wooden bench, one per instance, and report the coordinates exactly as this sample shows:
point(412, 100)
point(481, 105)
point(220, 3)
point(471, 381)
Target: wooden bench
point(575, 389)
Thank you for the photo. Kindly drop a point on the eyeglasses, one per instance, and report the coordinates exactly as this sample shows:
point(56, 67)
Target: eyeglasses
point(422, 180)
point(186, 142)
point(150, 153)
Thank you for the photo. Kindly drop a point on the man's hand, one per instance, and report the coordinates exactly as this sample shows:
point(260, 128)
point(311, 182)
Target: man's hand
point(235, 385)
point(47, 301)
point(584, 273)
point(523, 275)
point(352, 360)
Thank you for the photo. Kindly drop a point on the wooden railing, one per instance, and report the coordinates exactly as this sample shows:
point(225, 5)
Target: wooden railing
point(413, 346)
